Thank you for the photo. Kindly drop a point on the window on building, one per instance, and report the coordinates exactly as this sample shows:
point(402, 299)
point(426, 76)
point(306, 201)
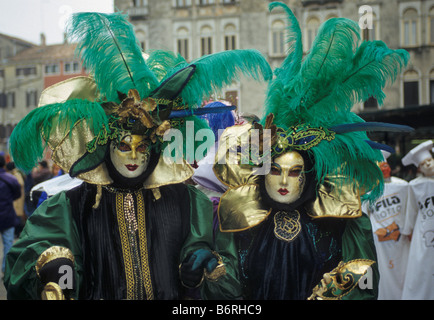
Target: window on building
point(182, 3)
point(411, 88)
point(25, 71)
point(312, 25)
point(411, 93)
point(205, 45)
point(431, 87)
point(9, 128)
point(431, 26)
point(2, 132)
point(229, 1)
point(278, 38)
point(206, 2)
point(10, 99)
point(72, 67)
point(2, 100)
point(31, 98)
point(230, 37)
point(370, 104)
point(140, 3)
point(141, 38)
point(230, 42)
point(205, 40)
point(52, 68)
point(2, 73)
point(183, 48)
point(431, 91)
point(182, 42)
point(410, 28)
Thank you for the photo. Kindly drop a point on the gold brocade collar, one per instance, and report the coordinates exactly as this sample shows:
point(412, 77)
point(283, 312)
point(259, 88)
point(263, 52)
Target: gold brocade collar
point(242, 207)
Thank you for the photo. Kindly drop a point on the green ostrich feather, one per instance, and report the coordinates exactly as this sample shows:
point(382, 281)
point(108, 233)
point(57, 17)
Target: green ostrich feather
point(31, 135)
point(320, 90)
point(110, 51)
point(216, 71)
point(107, 45)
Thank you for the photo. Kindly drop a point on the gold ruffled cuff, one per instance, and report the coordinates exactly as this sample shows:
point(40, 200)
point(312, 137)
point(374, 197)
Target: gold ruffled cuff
point(218, 272)
point(52, 253)
point(52, 291)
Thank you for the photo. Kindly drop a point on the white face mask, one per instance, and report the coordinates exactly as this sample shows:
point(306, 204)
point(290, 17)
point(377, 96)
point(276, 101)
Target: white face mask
point(131, 155)
point(427, 167)
point(285, 181)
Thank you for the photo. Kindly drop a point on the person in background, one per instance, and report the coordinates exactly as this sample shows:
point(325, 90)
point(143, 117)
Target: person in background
point(10, 190)
point(18, 203)
point(41, 173)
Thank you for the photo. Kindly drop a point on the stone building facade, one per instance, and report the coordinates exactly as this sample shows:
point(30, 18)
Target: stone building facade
point(25, 74)
point(197, 27)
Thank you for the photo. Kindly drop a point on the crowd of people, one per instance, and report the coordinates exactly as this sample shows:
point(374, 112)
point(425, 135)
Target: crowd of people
point(17, 204)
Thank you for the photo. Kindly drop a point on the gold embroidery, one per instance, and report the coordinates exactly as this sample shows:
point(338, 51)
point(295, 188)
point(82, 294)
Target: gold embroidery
point(125, 246)
point(134, 249)
point(218, 272)
point(52, 253)
point(341, 280)
point(287, 225)
point(144, 246)
point(52, 291)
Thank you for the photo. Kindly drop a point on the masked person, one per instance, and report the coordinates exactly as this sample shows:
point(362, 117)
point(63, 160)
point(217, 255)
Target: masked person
point(132, 229)
point(299, 227)
point(388, 218)
point(419, 282)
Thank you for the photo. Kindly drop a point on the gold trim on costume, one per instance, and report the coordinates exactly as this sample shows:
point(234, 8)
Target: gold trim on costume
point(52, 291)
point(287, 225)
point(128, 264)
point(218, 272)
point(341, 280)
point(51, 254)
point(135, 253)
point(144, 245)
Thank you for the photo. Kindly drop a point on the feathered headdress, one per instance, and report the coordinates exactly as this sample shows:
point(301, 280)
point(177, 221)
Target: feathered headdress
point(127, 90)
point(308, 105)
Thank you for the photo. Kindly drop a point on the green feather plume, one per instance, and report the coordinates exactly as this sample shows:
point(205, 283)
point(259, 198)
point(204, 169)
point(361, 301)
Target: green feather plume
point(292, 63)
point(338, 72)
point(29, 138)
point(217, 71)
point(109, 50)
point(160, 62)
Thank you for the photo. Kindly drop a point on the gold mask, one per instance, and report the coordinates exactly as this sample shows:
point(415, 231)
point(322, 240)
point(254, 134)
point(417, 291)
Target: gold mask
point(130, 155)
point(285, 181)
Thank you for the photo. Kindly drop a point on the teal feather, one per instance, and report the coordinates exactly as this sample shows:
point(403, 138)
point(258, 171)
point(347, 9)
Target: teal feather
point(109, 50)
point(373, 67)
point(291, 65)
point(29, 138)
point(216, 71)
point(160, 62)
point(337, 73)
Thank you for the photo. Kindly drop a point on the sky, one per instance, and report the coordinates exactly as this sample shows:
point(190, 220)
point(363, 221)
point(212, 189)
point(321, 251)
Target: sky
point(27, 19)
